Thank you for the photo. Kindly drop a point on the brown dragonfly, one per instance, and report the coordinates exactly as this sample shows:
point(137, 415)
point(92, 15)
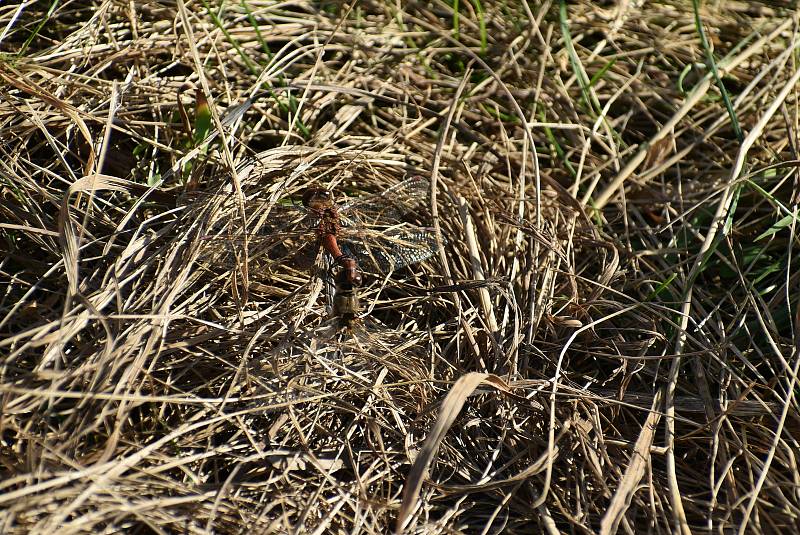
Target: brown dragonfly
point(360, 234)
point(346, 302)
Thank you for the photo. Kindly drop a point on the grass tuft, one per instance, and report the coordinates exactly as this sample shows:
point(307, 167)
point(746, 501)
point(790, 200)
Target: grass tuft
point(606, 338)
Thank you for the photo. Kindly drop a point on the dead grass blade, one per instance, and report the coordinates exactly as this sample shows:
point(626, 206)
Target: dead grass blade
point(640, 458)
point(450, 408)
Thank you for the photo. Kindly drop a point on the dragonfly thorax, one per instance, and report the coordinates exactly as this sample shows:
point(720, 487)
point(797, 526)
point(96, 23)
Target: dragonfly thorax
point(320, 201)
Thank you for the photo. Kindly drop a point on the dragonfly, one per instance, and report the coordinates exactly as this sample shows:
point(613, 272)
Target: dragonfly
point(360, 234)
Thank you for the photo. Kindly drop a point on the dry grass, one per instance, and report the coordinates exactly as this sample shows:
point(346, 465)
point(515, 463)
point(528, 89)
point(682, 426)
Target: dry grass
point(606, 342)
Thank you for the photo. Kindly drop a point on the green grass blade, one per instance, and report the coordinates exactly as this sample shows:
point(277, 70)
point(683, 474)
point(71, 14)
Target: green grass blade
point(456, 21)
point(660, 288)
point(481, 25)
point(783, 223)
point(38, 28)
point(712, 64)
point(602, 72)
point(592, 106)
point(218, 23)
point(254, 23)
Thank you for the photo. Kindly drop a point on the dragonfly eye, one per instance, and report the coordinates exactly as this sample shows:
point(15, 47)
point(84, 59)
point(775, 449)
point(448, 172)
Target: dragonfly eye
point(314, 197)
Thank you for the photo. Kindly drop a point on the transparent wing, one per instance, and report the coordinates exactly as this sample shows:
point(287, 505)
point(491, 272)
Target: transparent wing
point(387, 207)
point(296, 248)
point(272, 233)
point(260, 210)
point(391, 249)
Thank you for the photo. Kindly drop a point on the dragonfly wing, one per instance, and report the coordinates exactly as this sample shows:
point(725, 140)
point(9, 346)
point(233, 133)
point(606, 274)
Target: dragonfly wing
point(228, 250)
point(392, 249)
point(388, 206)
point(305, 256)
point(273, 233)
point(254, 202)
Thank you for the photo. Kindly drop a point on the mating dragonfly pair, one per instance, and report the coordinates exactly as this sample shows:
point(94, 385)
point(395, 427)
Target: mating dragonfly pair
point(361, 235)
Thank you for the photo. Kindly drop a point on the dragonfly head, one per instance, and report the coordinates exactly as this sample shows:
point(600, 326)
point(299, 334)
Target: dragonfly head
point(317, 198)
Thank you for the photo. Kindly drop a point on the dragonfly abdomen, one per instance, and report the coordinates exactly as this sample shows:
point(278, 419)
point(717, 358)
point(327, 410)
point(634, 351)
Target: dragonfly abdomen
point(346, 305)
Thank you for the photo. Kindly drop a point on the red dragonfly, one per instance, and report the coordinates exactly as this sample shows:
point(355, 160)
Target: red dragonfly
point(366, 233)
